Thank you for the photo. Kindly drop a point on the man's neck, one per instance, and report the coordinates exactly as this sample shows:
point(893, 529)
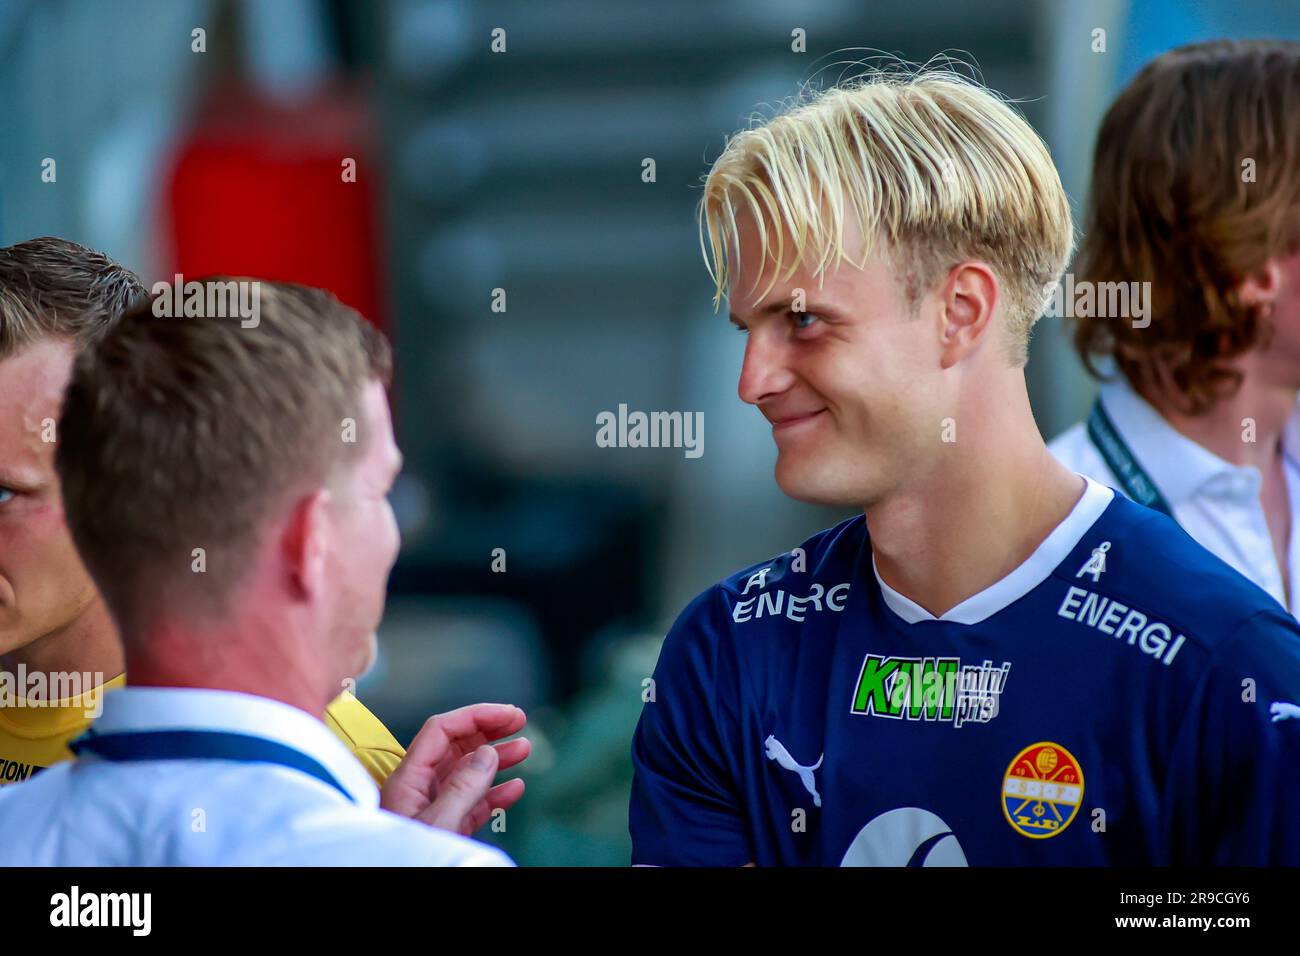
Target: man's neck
point(213, 661)
point(1244, 428)
point(981, 512)
point(87, 645)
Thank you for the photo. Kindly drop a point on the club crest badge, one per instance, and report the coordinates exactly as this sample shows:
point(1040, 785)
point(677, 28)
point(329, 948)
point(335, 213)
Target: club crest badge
point(1042, 790)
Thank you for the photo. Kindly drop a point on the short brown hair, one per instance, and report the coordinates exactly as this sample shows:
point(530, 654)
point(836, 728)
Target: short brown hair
point(53, 288)
point(188, 432)
point(1170, 204)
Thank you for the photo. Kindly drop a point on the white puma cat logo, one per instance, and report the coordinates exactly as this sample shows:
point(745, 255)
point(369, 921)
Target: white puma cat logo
point(1281, 710)
point(776, 751)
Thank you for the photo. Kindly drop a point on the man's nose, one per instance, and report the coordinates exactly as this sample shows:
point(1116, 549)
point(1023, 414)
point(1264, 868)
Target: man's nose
point(765, 371)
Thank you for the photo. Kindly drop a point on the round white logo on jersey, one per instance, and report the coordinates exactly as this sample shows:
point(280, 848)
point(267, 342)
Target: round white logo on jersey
point(908, 836)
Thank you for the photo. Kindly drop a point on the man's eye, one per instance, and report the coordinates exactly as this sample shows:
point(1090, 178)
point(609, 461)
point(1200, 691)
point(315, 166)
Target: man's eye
point(6, 494)
point(739, 328)
point(803, 320)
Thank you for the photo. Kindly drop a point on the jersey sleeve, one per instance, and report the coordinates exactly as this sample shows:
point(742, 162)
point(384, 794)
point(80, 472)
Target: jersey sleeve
point(1233, 793)
point(365, 735)
point(685, 808)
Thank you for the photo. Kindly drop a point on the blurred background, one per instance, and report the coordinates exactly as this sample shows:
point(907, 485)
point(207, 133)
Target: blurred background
point(473, 177)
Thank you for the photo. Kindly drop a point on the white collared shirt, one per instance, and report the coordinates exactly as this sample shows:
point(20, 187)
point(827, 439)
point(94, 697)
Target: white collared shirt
point(213, 812)
point(1216, 502)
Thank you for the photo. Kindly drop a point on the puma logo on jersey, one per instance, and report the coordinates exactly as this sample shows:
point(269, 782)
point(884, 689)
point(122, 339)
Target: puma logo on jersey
point(776, 751)
point(1281, 710)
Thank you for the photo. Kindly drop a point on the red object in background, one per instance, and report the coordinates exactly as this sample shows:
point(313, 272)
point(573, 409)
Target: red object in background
point(257, 189)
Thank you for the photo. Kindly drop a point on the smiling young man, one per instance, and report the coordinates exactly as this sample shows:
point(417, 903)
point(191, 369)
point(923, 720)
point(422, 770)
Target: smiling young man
point(1014, 665)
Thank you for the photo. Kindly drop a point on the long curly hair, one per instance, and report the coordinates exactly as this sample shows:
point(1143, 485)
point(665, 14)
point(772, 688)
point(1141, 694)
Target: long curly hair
point(1196, 183)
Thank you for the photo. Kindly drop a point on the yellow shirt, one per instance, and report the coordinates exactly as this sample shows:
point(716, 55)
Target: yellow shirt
point(33, 738)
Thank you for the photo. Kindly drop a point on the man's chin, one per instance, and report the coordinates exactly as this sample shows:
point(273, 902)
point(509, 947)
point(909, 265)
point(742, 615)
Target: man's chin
point(360, 661)
point(810, 484)
point(370, 654)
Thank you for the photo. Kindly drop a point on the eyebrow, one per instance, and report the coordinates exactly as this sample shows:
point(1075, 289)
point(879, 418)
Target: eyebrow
point(783, 305)
point(780, 305)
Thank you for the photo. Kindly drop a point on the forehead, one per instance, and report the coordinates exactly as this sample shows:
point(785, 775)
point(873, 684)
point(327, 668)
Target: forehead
point(31, 391)
point(757, 283)
point(380, 446)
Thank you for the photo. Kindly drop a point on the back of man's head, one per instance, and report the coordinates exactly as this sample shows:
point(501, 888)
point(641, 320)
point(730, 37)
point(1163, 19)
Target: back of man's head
point(187, 439)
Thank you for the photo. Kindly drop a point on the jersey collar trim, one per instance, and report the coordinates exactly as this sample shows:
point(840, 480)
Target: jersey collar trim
point(1054, 549)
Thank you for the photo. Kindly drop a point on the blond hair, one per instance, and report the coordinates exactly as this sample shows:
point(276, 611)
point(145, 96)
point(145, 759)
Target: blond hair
point(933, 164)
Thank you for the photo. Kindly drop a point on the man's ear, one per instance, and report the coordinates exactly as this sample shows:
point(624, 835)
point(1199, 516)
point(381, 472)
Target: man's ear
point(968, 300)
point(305, 543)
point(1261, 286)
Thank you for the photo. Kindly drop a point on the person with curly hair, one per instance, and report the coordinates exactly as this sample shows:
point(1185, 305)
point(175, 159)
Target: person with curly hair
point(1196, 193)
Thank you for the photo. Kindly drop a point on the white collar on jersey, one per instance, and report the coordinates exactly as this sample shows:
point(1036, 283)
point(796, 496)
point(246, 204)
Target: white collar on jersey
point(133, 709)
point(1000, 594)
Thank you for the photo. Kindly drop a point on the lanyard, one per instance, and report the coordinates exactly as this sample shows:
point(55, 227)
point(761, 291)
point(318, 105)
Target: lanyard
point(1137, 484)
point(200, 745)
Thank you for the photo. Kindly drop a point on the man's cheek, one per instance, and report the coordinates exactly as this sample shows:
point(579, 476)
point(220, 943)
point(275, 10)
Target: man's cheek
point(45, 527)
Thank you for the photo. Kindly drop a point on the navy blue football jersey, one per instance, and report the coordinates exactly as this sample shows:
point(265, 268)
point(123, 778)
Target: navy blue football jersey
point(1121, 698)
